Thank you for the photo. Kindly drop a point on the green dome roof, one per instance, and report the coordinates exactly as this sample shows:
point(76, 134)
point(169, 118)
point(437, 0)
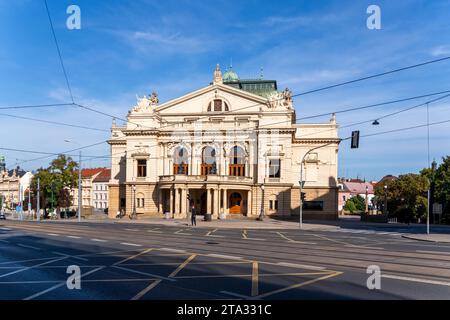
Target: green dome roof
point(230, 75)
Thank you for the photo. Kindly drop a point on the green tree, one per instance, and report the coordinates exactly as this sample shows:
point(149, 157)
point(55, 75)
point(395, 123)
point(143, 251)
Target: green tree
point(350, 206)
point(406, 196)
point(442, 187)
point(56, 181)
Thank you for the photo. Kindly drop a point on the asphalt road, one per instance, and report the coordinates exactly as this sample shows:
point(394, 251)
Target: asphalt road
point(140, 261)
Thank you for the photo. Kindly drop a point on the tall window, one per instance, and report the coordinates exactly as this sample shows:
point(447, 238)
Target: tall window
point(142, 168)
point(209, 164)
point(237, 162)
point(274, 168)
point(218, 105)
point(180, 161)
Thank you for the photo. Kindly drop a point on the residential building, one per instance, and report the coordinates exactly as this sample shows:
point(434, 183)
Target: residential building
point(231, 148)
point(352, 187)
point(14, 185)
point(100, 190)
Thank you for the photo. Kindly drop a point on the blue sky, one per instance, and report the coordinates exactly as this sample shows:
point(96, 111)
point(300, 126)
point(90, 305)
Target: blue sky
point(126, 48)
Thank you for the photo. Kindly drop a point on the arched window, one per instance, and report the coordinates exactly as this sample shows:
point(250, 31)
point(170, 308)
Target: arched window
point(218, 105)
point(180, 161)
point(209, 163)
point(237, 161)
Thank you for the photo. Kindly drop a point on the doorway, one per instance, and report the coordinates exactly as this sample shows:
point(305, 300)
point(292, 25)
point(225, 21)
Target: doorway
point(235, 203)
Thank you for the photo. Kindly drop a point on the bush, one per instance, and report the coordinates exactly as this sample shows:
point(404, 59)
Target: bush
point(350, 206)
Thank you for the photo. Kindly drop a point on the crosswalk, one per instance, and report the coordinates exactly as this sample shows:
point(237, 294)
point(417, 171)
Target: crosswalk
point(386, 233)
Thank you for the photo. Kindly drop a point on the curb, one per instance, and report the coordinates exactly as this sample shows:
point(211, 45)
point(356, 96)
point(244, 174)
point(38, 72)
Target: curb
point(424, 240)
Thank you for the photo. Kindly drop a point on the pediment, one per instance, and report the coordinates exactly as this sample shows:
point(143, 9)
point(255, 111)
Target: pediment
point(197, 102)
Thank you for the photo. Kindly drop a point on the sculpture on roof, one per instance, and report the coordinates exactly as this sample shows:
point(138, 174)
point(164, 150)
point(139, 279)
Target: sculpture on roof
point(154, 100)
point(145, 104)
point(217, 75)
point(280, 100)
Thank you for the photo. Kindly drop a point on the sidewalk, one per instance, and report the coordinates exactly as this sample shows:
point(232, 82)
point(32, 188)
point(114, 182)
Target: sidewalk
point(442, 238)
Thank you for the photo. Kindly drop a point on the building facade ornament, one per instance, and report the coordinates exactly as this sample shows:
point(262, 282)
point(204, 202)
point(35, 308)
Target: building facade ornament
point(217, 75)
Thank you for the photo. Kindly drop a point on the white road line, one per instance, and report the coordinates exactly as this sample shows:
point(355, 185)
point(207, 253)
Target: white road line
point(69, 256)
point(258, 239)
point(433, 252)
point(74, 237)
point(131, 244)
point(98, 240)
point(224, 256)
point(237, 295)
point(301, 266)
point(31, 267)
point(145, 273)
point(53, 234)
point(172, 250)
point(131, 229)
point(186, 234)
point(5, 241)
point(29, 247)
point(155, 230)
point(294, 241)
point(441, 283)
point(63, 283)
point(6, 229)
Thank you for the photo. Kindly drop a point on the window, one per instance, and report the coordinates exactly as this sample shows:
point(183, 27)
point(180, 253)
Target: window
point(237, 162)
point(140, 201)
point(273, 205)
point(313, 205)
point(274, 168)
point(209, 165)
point(218, 105)
point(180, 161)
point(141, 168)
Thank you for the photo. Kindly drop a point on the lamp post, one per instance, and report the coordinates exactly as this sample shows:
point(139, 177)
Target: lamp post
point(261, 214)
point(385, 199)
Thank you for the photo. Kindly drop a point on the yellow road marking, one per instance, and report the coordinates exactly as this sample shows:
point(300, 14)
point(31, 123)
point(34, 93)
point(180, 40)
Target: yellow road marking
point(212, 231)
point(134, 256)
point(173, 274)
point(255, 278)
point(259, 275)
point(298, 285)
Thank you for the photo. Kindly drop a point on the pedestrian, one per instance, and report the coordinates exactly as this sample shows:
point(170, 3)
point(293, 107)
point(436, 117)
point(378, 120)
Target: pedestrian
point(193, 216)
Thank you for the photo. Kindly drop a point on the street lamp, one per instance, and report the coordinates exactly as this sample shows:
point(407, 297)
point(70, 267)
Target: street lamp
point(367, 199)
point(261, 214)
point(385, 199)
point(79, 181)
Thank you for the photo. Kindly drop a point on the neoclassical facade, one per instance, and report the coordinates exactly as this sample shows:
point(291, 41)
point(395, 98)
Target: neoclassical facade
point(231, 149)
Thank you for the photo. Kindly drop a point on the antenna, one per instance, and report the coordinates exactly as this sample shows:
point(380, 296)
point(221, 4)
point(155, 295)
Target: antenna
point(261, 73)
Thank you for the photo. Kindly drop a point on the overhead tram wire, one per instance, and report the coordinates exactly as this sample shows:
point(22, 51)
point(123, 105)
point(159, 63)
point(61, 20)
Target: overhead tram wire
point(53, 122)
point(36, 106)
point(59, 51)
point(341, 139)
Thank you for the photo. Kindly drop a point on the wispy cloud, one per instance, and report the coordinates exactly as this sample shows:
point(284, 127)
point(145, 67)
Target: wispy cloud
point(440, 51)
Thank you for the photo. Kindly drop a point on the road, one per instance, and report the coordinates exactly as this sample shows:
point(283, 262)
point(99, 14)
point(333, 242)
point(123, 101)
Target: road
point(140, 261)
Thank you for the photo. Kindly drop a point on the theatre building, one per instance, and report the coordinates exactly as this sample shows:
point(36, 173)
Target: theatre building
point(231, 149)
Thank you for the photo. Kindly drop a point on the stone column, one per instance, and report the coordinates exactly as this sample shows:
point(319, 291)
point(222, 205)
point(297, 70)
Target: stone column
point(160, 201)
point(208, 200)
point(183, 201)
point(249, 203)
point(216, 202)
point(225, 201)
point(171, 202)
point(177, 200)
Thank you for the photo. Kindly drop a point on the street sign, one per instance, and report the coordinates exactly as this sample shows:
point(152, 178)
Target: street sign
point(355, 139)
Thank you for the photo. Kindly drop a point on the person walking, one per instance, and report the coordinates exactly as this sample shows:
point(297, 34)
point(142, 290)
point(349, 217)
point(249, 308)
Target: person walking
point(193, 216)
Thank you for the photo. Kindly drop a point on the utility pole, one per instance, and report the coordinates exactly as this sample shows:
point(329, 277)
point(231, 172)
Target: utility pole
point(38, 209)
point(367, 199)
point(385, 199)
point(79, 190)
point(29, 200)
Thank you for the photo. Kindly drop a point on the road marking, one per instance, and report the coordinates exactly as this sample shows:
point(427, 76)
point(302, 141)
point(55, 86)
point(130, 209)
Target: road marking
point(63, 283)
point(433, 252)
point(154, 230)
point(181, 266)
point(172, 250)
point(53, 234)
point(131, 229)
point(131, 244)
point(98, 240)
point(4, 241)
point(74, 237)
point(213, 235)
point(144, 273)
point(298, 285)
point(244, 234)
point(332, 240)
point(258, 239)
point(133, 256)
point(301, 266)
point(254, 278)
point(69, 256)
point(6, 229)
point(31, 267)
point(391, 276)
point(363, 246)
point(144, 291)
point(237, 295)
point(295, 241)
point(186, 234)
point(224, 256)
point(29, 247)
